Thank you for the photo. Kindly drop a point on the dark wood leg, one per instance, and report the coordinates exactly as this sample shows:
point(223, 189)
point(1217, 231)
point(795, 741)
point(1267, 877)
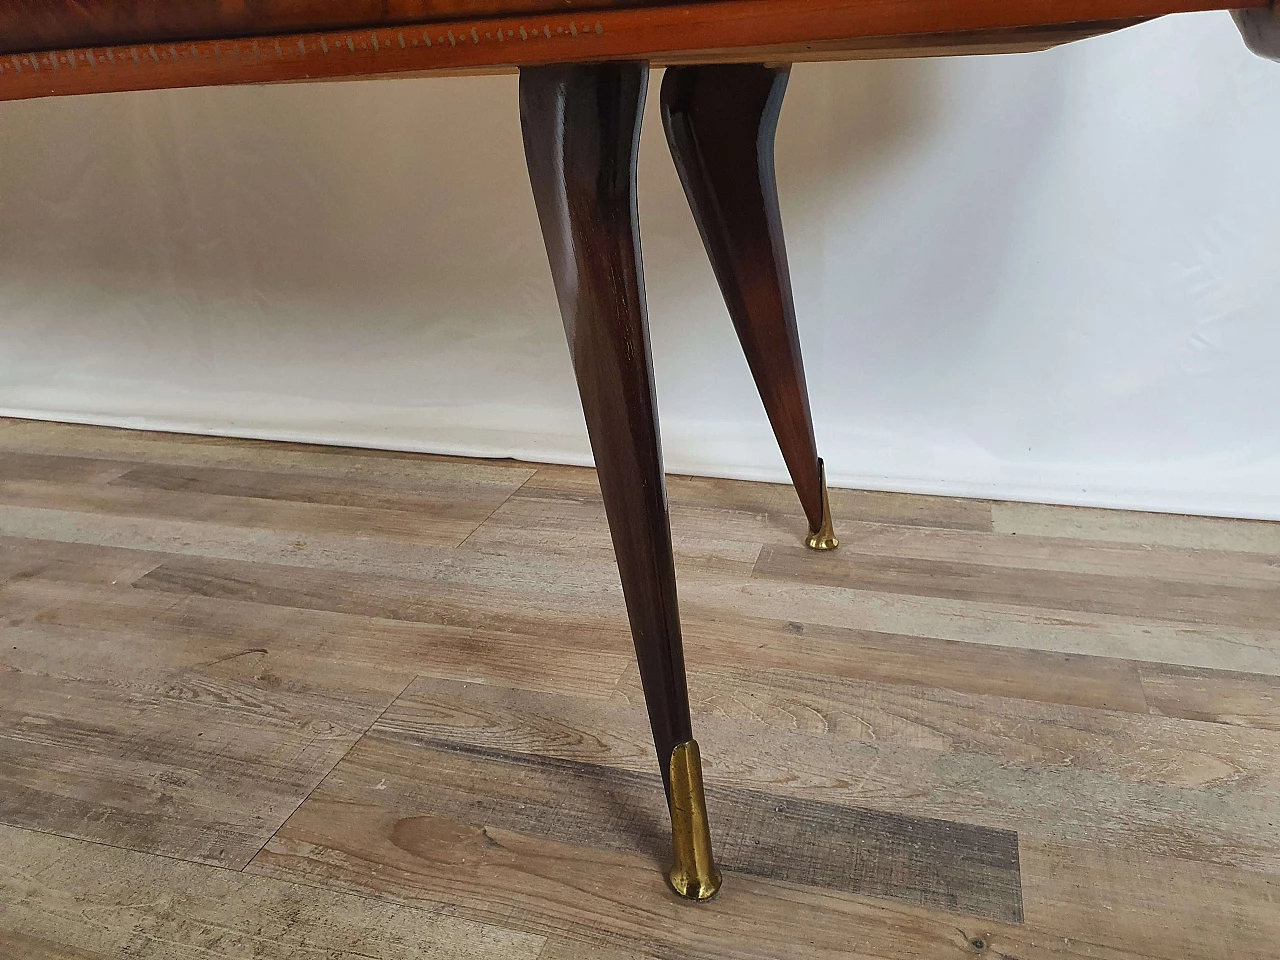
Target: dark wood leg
point(720, 121)
point(581, 132)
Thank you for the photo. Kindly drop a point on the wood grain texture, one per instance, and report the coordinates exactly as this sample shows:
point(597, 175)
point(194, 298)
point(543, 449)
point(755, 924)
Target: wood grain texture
point(1156, 906)
point(952, 866)
point(147, 907)
point(185, 743)
point(916, 612)
point(1167, 798)
point(377, 828)
point(709, 31)
point(1139, 597)
point(316, 649)
point(411, 497)
point(265, 500)
point(27, 25)
point(1214, 696)
point(716, 526)
point(560, 949)
point(35, 466)
point(23, 559)
point(136, 447)
point(1134, 756)
point(716, 520)
point(456, 476)
point(1126, 748)
point(1127, 526)
point(376, 810)
point(427, 600)
point(720, 640)
point(188, 771)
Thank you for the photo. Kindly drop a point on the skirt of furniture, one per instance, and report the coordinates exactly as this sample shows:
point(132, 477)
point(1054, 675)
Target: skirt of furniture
point(584, 69)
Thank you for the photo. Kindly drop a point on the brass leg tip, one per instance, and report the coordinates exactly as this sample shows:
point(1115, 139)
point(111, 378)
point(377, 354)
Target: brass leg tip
point(824, 538)
point(697, 890)
point(694, 875)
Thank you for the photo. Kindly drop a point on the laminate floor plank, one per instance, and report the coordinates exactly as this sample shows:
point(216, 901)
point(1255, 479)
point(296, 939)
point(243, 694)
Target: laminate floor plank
point(140, 643)
point(1215, 696)
point(1030, 674)
point(509, 607)
point(1146, 598)
point(267, 699)
point(25, 558)
point(431, 499)
point(1098, 681)
point(464, 477)
point(569, 514)
point(720, 640)
point(1156, 906)
point(366, 553)
point(316, 651)
point(1026, 734)
point(342, 491)
point(192, 726)
point(1187, 565)
point(735, 606)
point(1252, 649)
point(577, 530)
point(1178, 804)
point(575, 892)
point(949, 865)
point(181, 731)
point(158, 771)
point(431, 806)
point(152, 728)
point(151, 908)
point(279, 515)
point(325, 551)
point(709, 599)
point(558, 949)
point(777, 500)
point(1127, 526)
point(716, 640)
point(40, 466)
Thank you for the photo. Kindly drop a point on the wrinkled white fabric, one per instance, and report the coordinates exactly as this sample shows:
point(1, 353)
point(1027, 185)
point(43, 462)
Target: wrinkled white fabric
point(1052, 276)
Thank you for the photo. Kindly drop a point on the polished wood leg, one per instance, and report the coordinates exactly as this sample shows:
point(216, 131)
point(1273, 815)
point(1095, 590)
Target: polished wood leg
point(581, 128)
point(721, 121)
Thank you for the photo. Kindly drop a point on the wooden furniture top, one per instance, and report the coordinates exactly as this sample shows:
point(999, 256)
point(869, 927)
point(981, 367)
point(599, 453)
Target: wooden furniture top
point(58, 47)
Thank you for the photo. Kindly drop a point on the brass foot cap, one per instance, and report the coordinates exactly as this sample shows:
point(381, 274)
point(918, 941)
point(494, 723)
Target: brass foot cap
point(694, 888)
point(824, 538)
point(694, 876)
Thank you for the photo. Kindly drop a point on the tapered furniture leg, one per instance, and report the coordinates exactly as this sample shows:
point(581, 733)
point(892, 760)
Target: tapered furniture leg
point(721, 121)
point(581, 131)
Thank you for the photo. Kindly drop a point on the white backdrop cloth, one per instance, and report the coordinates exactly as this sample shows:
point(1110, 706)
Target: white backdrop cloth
point(1050, 277)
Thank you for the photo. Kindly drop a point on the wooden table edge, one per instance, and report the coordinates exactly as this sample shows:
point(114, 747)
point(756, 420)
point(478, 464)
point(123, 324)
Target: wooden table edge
point(717, 31)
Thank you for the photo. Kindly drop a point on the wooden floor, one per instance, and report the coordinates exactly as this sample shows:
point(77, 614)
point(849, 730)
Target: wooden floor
point(275, 701)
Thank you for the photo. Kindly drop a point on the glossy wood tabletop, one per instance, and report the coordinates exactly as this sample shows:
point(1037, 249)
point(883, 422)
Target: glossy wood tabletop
point(53, 24)
point(58, 47)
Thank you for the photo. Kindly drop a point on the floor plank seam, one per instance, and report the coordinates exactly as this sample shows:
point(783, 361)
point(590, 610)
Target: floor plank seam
point(494, 511)
point(319, 783)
